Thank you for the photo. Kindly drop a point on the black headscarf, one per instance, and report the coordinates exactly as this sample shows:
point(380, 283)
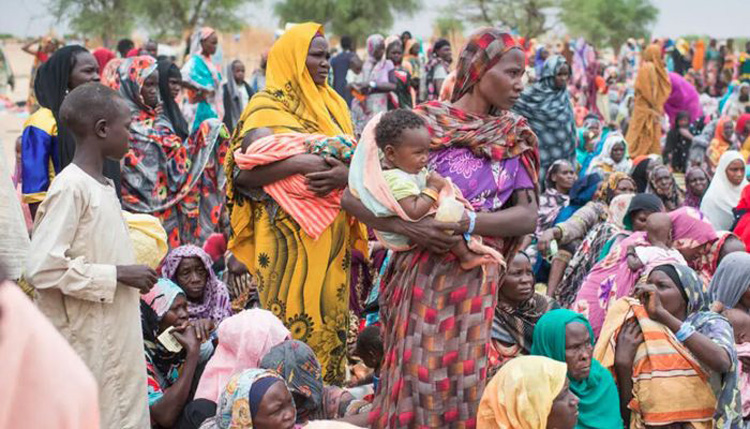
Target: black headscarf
point(642, 202)
point(172, 111)
point(51, 87)
point(640, 175)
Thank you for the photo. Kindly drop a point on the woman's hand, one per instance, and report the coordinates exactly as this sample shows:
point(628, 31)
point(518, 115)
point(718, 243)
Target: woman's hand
point(648, 296)
point(335, 176)
point(186, 336)
point(432, 235)
point(628, 340)
point(203, 329)
point(542, 244)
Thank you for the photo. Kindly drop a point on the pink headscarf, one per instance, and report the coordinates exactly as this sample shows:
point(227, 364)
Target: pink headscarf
point(243, 341)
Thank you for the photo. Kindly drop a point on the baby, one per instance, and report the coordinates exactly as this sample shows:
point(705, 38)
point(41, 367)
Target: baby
point(741, 324)
point(403, 138)
point(659, 234)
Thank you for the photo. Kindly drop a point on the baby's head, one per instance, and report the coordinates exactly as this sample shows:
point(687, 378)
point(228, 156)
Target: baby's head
point(659, 229)
point(740, 323)
point(355, 64)
point(370, 347)
point(403, 137)
point(255, 134)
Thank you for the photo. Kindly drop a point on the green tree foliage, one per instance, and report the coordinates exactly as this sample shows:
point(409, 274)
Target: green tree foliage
point(177, 18)
point(449, 26)
point(608, 22)
point(105, 19)
point(355, 18)
point(528, 17)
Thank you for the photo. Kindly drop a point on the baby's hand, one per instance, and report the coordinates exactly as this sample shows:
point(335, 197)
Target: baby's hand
point(436, 181)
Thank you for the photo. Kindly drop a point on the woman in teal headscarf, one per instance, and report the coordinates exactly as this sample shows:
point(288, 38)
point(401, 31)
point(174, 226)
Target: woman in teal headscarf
point(566, 336)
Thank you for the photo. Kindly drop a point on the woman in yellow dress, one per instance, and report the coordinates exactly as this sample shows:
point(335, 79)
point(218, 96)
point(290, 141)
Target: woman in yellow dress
point(303, 281)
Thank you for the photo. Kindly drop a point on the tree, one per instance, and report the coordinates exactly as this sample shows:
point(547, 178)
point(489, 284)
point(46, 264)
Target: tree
point(528, 17)
point(105, 19)
point(178, 18)
point(608, 22)
point(355, 18)
point(449, 26)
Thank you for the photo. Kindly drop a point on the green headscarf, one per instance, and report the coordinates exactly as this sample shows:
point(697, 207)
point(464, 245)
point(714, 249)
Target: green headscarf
point(599, 405)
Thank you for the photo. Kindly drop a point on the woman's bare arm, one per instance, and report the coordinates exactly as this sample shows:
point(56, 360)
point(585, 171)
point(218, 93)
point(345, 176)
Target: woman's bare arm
point(515, 221)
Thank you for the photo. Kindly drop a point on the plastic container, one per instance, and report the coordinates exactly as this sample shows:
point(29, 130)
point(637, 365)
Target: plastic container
point(450, 210)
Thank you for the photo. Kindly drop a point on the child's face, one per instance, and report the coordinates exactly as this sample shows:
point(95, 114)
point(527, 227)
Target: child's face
point(117, 132)
point(412, 154)
point(239, 72)
point(683, 122)
point(370, 358)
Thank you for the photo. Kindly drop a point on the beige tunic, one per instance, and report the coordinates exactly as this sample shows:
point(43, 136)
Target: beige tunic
point(79, 237)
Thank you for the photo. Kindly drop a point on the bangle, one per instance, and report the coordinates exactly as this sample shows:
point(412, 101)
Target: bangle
point(472, 223)
point(685, 331)
point(373, 85)
point(431, 193)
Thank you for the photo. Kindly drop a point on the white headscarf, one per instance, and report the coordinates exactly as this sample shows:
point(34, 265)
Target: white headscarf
point(722, 196)
point(605, 156)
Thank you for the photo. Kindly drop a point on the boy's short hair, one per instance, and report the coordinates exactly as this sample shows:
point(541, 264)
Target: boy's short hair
point(393, 123)
point(87, 104)
point(370, 340)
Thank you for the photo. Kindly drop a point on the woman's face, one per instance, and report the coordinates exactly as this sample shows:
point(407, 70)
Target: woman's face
point(518, 285)
point(445, 53)
point(192, 277)
point(501, 86)
point(662, 181)
point(276, 410)
point(698, 182)
point(564, 177)
point(396, 53)
point(624, 186)
point(150, 90)
point(564, 411)
point(175, 86)
point(638, 220)
point(317, 60)
point(692, 253)
point(562, 76)
point(177, 314)
point(728, 130)
point(618, 152)
point(414, 50)
point(669, 294)
point(578, 351)
point(210, 44)
point(85, 69)
point(683, 122)
point(378, 52)
point(735, 172)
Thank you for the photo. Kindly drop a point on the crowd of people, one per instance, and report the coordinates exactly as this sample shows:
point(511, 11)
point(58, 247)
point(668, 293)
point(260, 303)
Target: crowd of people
point(527, 235)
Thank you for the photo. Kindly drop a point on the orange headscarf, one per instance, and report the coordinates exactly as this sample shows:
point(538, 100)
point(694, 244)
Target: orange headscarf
point(699, 53)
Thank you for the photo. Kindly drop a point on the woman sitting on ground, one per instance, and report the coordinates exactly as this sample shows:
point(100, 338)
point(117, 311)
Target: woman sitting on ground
point(731, 283)
point(668, 330)
point(662, 183)
point(517, 311)
point(725, 191)
point(567, 337)
point(171, 374)
point(696, 183)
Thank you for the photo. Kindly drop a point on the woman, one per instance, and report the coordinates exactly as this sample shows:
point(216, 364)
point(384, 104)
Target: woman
point(488, 81)
point(176, 180)
point(314, 304)
point(208, 299)
point(517, 311)
point(742, 217)
point(652, 89)
point(738, 102)
point(642, 169)
point(662, 183)
point(722, 142)
point(46, 145)
point(679, 140)
point(530, 392)
point(558, 182)
point(202, 77)
point(103, 57)
point(696, 183)
point(170, 86)
point(589, 137)
point(376, 85)
point(256, 399)
point(296, 362)
point(438, 68)
point(611, 278)
point(742, 131)
point(401, 97)
point(731, 284)
point(709, 261)
point(683, 98)
point(414, 65)
point(670, 332)
point(170, 373)
point(567, 337)
point(243, 341)
point(613, 158)
point(546, 104)
point(725, 190)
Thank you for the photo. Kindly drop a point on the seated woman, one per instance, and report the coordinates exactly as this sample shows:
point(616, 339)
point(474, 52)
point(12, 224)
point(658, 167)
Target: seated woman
point(170, 373)
point(611, 278)
point(661, 182)
point(558, 182)
point(174, 179)
point(567, 337)
point(254, 398)
point(589, 138)
point(613, 158)
point(696, 183)
point(517, 311)
point(208, 299)
point(723, 140)
point(530, 392)
point(669, 331)
point(730, 285)
point(725, 191)
point(627, 214)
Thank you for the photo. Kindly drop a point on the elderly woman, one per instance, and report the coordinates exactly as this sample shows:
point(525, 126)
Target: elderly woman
point(662, 183)
point(546, 104)
point(696, 183)
point(669, 331)
point(530, 392)
point(475, 128)
point(613, 157)
point(725, 190)
point(313, 303)
point(202, 77)
point(566, 336)
point(177, 180)
point(517, 311)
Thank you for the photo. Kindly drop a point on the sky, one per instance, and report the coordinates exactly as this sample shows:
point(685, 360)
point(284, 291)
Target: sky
point(718, 18)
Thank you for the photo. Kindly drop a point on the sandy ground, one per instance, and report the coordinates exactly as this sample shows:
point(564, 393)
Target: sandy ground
point(11, 122)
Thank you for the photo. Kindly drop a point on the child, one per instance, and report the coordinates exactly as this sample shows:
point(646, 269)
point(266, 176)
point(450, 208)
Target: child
point(740, 321)
point(659, 234)
point(679, 139)
point(81, 259)
point(405, 142)
point(370, 350)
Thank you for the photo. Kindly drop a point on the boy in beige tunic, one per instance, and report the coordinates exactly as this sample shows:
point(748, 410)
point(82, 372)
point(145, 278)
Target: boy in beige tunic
point(81, 259)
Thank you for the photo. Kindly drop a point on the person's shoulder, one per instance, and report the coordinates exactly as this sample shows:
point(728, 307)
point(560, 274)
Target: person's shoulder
point(71, 180)
point(42, 119)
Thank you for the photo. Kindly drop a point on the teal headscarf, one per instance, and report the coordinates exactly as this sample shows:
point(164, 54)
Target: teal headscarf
point(599, 405)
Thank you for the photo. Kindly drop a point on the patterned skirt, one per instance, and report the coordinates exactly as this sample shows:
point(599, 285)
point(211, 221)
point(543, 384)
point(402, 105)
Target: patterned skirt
point(436, 325)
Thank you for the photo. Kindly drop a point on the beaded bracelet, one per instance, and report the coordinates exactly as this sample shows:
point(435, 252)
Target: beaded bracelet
point(472, 223)
point(685, 331)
